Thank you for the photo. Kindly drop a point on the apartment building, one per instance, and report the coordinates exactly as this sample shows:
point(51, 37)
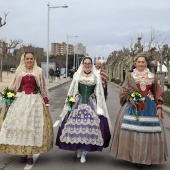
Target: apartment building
point(80, 49)
point(61, 49)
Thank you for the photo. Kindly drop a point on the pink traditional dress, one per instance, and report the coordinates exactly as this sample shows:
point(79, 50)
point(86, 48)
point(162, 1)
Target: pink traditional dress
point(140, 141)
point(27, 128)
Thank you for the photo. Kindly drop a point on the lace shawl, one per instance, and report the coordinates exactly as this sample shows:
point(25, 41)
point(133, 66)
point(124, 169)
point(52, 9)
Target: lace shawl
point(38, 74)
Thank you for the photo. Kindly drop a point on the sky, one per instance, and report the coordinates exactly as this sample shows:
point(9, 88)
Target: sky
point(102, 26)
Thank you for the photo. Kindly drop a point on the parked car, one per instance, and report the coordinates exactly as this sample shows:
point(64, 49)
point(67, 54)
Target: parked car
point(12, 70)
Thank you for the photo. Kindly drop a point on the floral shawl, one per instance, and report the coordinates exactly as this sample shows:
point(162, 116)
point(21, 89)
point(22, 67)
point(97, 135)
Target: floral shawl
point(130, 86)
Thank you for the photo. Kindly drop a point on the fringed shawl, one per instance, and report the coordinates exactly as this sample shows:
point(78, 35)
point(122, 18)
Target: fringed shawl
point(129, 86)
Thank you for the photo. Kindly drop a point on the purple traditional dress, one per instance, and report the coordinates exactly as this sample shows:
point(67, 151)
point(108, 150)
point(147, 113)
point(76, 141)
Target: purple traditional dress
point(87, 126)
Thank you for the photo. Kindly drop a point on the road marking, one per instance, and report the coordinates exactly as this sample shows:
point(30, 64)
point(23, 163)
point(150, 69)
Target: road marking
point(35, 157)
point(56, 123)
point(27, 167)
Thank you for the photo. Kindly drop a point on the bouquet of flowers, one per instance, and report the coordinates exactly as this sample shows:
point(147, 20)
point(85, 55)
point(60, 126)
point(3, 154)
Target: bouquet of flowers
point(139, 101)
point(8, 96)
point(70, 102)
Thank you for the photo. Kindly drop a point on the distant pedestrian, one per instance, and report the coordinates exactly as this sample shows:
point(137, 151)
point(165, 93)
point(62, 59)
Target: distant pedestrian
point(71, 73)
point(57, 74)
point(51, 74)
point(104, 77)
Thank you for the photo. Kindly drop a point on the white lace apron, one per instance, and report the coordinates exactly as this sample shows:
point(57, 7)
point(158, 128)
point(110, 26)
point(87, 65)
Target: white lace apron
point(24, 122)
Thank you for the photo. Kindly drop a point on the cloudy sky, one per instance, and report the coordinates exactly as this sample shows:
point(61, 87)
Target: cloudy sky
point(102, 25)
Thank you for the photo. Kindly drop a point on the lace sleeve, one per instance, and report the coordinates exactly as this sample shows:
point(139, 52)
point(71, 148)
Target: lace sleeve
point(101, 108)
point(43, 86)
point(11, 85)
point(101, 104)
point(73, 90)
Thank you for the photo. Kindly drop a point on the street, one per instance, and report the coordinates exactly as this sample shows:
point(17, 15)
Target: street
point(57, 159)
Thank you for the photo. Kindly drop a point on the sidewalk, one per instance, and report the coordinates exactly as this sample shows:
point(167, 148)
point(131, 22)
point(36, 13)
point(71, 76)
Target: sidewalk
point(164, 108)
point(8, 77)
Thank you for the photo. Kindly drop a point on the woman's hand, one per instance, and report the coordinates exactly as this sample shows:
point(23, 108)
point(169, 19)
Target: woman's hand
point(132, 102)
point(47, 106)
point(160, 114)
point(7, 106)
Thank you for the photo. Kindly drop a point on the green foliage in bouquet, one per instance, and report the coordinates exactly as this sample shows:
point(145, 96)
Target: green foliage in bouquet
point(8, 96)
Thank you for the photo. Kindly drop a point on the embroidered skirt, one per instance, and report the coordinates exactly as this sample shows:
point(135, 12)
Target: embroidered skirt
point(84, 129)
point(143, 141)
point(27, 128)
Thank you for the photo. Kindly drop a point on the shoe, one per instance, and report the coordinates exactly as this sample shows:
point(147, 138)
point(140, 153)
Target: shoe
point(139, 166)
point(30, 161)
point(23, 159)
point(83, 157)
point(79, 153)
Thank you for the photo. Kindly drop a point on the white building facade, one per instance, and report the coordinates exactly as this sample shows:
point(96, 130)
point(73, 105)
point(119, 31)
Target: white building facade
point(80, 49)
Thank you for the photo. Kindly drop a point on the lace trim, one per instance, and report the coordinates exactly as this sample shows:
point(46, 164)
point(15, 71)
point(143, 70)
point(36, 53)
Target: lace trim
point(141, 128)
point(77, 131)
point(142, 119)
point(136, 72)
point(77, 140)
point(89, 81)
point(144, 81)
point(24, 74)
point(82, 122)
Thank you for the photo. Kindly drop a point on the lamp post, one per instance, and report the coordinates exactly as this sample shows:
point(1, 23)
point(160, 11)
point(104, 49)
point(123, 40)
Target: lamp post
point(74, 61)
point(48, 23)
point(67, 52)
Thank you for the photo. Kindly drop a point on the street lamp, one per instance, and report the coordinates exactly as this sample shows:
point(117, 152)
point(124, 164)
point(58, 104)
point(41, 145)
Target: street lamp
point(48, 23)
point(67, 52)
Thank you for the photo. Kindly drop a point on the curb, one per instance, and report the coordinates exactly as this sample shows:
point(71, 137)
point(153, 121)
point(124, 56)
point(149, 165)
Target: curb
point(164, 108)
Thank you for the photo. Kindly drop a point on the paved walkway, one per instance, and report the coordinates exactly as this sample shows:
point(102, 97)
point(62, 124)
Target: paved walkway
point(7, 77)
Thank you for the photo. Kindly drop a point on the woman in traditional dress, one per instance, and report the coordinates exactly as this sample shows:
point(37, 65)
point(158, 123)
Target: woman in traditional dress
point(27, 128)
point(87, 127)
point(139, 135)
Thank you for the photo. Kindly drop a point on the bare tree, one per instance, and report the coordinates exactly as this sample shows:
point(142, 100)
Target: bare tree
point(155, 38)
point(2, 24)
point(6, 47)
